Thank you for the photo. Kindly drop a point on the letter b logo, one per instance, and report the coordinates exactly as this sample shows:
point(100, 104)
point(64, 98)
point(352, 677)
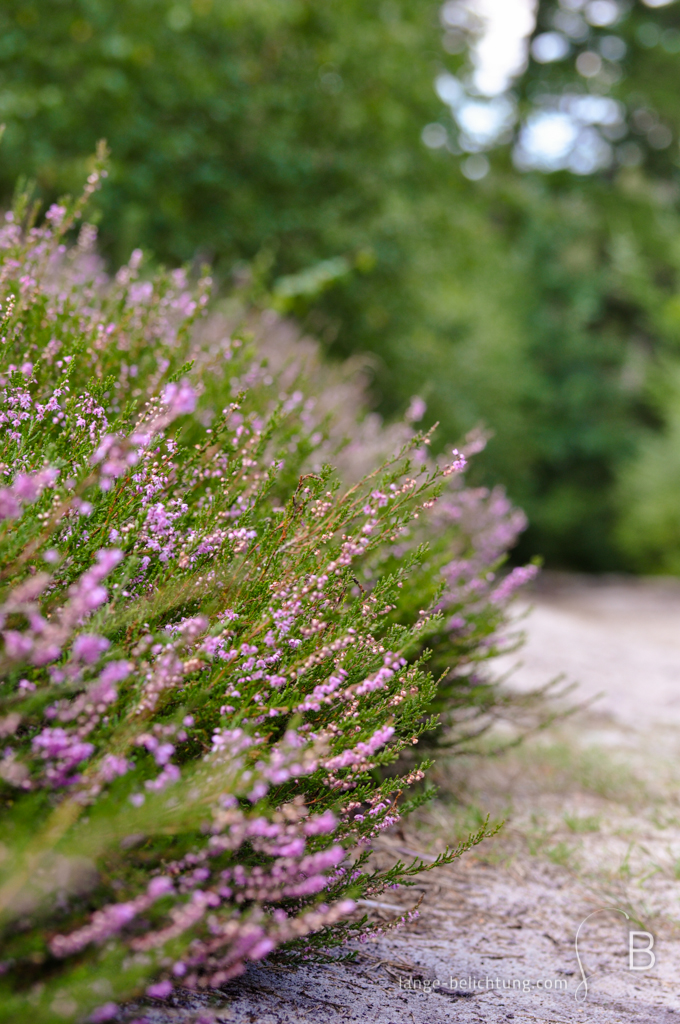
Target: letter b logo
point(637, 952)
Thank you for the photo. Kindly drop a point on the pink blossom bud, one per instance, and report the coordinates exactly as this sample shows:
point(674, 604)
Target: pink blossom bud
point(17, 645)
point(160, 990)
point(107, 559)
point(159, 886)
point(180, 398)
point(103, 1013)
point(89, 647)
point(261, 949)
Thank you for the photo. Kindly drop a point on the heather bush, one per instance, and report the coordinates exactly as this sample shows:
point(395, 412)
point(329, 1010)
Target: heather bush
point(214, 662)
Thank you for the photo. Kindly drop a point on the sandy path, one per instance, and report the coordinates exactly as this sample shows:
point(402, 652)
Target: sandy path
point(617, 638)
point(591, 822)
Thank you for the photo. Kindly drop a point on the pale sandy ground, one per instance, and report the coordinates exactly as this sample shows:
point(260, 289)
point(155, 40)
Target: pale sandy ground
point(592, 821)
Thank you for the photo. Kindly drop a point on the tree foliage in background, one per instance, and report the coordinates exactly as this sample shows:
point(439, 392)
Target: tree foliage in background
point(282, 139)
point(610, 268)
point(597, 265)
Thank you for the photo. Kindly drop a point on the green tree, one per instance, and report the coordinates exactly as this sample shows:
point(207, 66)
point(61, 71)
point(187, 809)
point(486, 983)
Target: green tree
point(592, 232)
point(281, 140)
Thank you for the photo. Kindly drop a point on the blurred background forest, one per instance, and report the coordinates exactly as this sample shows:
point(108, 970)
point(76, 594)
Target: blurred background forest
point(484, 195)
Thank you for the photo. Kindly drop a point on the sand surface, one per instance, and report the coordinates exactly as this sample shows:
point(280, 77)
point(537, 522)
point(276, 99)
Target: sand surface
point(592, 822)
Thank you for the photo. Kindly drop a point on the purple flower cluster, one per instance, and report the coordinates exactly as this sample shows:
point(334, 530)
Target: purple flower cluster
point(519, 577)
point(63, 751)
point(26, 488)
point(44, 639)
point(107, 922)
point(179, 398)
point(360, 754)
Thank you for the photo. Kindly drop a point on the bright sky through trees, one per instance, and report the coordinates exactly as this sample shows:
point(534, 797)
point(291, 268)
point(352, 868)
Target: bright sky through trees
point(501, 51)
point(566, 134)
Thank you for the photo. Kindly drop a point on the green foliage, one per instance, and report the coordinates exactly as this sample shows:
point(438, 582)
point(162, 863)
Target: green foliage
point(649, 528)
point(281, 140)
point(601, 277)
point(212, 677)
point(637, 259)
point(287, 135)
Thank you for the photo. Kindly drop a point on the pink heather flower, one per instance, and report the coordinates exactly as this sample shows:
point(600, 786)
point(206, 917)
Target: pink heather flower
point(160, 886)
point(308, 887)
point(88, 647)
point(192, 628)
point(9, 505)
point(103, 1013)
point(17, 645)
point(322, 861)
point(58, 743)
point(261, 949)
point(113, 766)
point(459, 461)
point(26, 488)
point(180, 398)
point(163, 753)
point(517, 578)
point(55, 215)
point(362, 750)
point(295, 848)
point(107, 559)
point(161, 990)
point(115, 460)
point(170, 773)
point(104, 691)
point(63, 752)
point(115, 672)
point(140, 293)
point(258, 791)
point(46, 653)
point(325, 822)
point(416, 410)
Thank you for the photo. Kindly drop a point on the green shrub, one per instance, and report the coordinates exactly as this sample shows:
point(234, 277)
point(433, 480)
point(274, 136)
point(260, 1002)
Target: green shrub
point(213, 668)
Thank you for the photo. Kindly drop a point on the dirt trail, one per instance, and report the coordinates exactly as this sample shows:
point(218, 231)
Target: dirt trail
point(592, 822)
point(615, 637)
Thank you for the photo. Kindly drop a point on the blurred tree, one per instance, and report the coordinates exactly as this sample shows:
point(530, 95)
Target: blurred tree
point(593, 221)
point(302, 146)
point(280, 128)
point(629, 53)
point(609, 66)
point(612, 69)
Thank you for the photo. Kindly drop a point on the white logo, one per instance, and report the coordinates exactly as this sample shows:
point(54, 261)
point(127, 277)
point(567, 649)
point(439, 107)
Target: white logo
point(635, 952)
